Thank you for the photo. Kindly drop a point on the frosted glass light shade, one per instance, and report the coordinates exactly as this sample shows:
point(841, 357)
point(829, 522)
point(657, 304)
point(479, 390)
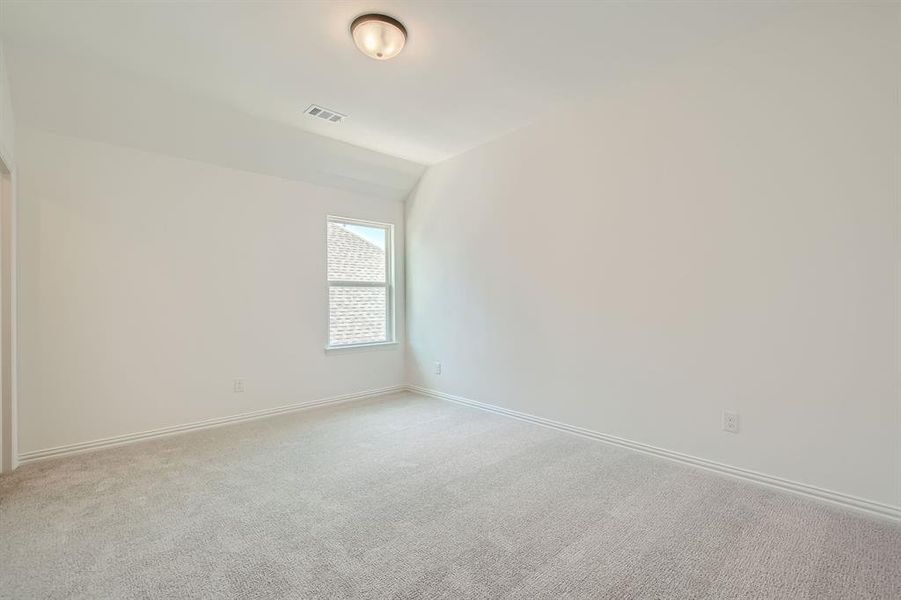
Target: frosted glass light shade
point(378, 36)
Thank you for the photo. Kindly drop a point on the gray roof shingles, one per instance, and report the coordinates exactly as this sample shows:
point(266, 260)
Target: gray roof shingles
point(357, 315)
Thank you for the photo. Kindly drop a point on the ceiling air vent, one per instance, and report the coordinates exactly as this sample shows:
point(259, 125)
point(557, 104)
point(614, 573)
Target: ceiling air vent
point(325, 114)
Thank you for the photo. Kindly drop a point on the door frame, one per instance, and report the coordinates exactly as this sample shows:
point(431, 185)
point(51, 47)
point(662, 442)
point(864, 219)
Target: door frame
point(8, 413)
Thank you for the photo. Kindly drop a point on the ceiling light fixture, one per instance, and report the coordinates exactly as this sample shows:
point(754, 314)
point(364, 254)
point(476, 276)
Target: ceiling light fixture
point(378, 36)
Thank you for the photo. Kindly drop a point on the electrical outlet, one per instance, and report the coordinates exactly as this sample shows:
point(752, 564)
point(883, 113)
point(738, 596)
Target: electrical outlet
point(239, 385)
point(730, 422)
point(437, 368)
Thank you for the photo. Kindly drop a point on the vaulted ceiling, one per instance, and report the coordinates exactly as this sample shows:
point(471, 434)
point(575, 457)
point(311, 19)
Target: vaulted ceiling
point(200, 78)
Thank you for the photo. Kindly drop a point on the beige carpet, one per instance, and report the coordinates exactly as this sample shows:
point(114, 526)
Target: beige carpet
point(407, 497)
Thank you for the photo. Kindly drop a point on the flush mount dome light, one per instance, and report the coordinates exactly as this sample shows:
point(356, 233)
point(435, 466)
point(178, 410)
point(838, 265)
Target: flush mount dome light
point(378, 36)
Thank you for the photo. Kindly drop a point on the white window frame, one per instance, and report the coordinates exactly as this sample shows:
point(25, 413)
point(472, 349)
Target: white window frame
point(388, 283)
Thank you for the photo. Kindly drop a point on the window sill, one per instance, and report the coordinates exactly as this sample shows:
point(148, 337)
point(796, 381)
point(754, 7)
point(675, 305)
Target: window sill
point(351, 348)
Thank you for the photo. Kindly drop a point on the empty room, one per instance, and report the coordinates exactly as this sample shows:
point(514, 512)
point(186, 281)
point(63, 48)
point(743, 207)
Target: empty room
point(450, 299)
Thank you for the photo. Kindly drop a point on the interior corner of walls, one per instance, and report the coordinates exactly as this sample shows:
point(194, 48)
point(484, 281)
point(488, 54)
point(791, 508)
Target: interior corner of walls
point(414, 187)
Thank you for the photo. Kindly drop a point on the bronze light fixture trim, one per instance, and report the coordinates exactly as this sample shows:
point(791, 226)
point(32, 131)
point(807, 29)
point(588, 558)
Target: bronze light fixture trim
point(378, 36)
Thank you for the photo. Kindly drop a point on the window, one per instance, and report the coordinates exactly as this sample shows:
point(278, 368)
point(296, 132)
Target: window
point(360, 283)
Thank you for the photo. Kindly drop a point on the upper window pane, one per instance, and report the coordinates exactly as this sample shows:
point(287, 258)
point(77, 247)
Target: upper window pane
point(356, 252)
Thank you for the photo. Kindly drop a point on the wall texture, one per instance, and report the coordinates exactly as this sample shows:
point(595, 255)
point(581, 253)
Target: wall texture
point(7, 124)
point(148, 283)
point(719, 235)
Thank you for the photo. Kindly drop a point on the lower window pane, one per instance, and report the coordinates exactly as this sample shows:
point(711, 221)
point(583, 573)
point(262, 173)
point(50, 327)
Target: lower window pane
point(357, 315)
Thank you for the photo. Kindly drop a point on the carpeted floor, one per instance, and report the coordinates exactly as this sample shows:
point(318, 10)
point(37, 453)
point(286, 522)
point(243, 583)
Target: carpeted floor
point(408, 497)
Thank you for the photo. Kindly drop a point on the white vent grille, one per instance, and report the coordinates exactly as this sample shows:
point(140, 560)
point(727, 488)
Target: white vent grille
point(325, 114)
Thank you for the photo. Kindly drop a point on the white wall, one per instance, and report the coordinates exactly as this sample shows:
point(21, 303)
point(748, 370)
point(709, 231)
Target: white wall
point(720, 234)
point(148, 282)
point(7, 125)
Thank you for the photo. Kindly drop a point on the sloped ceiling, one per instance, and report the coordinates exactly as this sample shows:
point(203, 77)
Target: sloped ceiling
point(228, 82)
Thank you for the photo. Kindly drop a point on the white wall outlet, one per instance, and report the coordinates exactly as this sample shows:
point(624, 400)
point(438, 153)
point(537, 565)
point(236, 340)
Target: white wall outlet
point(437, 368)
point(730, 422)
point(239, 385)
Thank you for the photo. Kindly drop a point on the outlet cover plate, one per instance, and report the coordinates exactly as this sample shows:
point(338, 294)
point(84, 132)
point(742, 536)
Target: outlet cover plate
point(730, 421)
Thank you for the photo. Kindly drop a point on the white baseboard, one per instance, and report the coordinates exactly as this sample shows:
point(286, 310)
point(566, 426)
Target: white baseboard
point(131, 438)
point(834, 498)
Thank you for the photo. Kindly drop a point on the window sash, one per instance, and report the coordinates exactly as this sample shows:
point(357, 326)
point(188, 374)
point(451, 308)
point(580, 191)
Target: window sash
point(339, 283)
point(387, 284)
